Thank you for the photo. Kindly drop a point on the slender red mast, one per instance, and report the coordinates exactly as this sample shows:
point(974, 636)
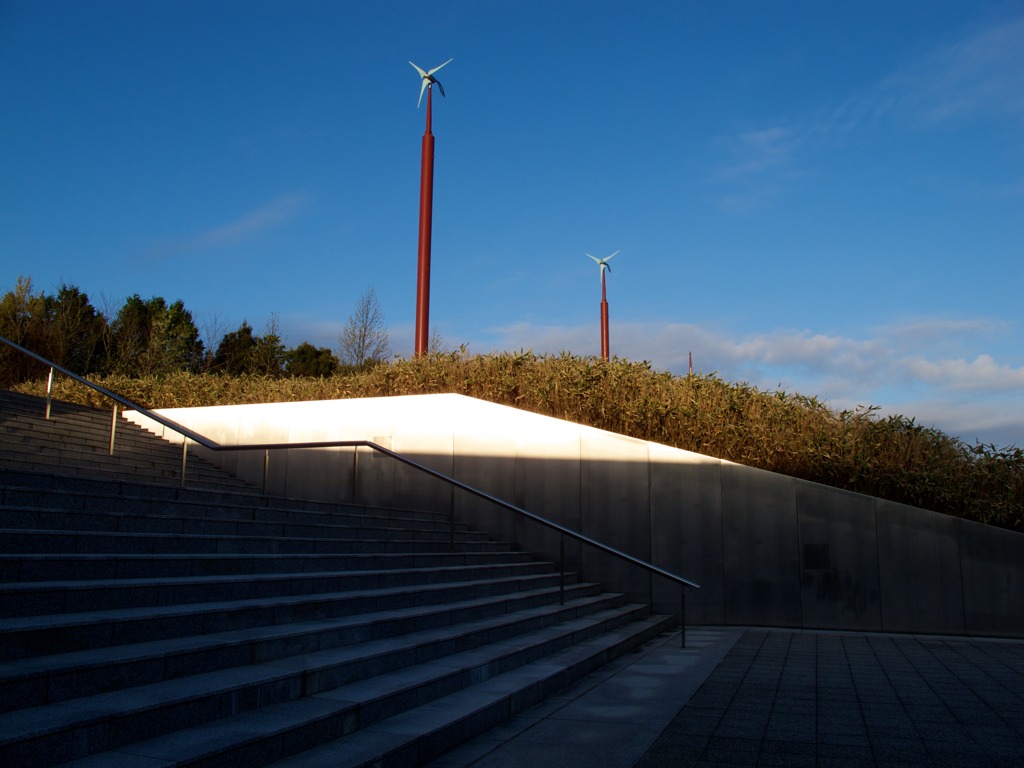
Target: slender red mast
point(604, 319)
point(603, 265)
point(426, 217)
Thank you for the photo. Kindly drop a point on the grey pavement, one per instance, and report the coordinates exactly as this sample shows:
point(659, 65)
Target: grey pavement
point(746, 697)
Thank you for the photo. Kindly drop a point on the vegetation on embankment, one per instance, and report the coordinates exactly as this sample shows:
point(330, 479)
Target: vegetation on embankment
point(891, 457)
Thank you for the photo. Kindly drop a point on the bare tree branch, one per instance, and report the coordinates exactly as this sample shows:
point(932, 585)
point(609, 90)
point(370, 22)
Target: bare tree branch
point(364, 338)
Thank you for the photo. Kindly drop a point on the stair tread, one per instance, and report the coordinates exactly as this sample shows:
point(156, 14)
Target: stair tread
point(73, 585)
point(161, 649)
point(321, 542)
point(221, 606)
point(269, 726)
point(35, 721)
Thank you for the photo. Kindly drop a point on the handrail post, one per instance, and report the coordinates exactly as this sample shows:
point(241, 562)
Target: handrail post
point(113, 429)
point(682, 614)
point(184, 457)
point(452, 519)
point(561, 566)
point(355, 472)
point(49, 391)
point(266, 469)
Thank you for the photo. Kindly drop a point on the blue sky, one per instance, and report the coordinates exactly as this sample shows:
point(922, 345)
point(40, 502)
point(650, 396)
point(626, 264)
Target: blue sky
point(819, 197)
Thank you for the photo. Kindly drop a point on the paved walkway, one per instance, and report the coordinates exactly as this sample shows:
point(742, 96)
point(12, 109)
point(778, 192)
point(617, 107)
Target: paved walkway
point(738, 697)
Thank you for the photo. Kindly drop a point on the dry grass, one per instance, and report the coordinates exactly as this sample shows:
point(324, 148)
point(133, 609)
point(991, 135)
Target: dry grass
point(891, 457)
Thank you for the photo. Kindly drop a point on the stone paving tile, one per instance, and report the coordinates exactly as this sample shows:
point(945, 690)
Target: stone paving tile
point(786, 698)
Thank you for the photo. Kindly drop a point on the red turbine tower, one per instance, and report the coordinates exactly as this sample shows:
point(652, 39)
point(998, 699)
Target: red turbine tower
point(603, 264)
point(427, 81)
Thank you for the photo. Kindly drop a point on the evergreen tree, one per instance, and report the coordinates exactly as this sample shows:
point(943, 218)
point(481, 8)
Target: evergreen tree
point(307, 360)
point(234, 351)
point(151, 338)
point(75, 333)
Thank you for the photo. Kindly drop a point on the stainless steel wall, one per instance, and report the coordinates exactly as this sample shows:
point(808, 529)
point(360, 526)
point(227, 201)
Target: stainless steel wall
point(767, 549)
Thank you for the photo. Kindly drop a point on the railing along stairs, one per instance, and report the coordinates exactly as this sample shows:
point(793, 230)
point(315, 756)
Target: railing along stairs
point(190, 435)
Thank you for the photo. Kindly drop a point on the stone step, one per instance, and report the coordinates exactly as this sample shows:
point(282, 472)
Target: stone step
point(113, 543)
point(56, 597)
point(28, 636)
point(71, 520)
point(383, 721)
point(90, 485)
point(115, 471)
point(18, 488)
point(272, 511)
point(45, 680)
point(43, 567)
point(70, 730)
point(229, 521)
point(85, 445)
point(76, 440)
point(79, 434)
point(86, 425)
point(132, 467)
point(130, 442)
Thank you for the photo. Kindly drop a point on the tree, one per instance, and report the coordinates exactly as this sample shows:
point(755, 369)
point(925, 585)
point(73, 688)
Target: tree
point(364, 338)
point(22, 321)
point(436, 343)
point(268, 356)
point(76, 331)
point(212, 333)
point(234, 351)
point(243, 352)
point(150, 338)
point(65, 328)
point(307, 360)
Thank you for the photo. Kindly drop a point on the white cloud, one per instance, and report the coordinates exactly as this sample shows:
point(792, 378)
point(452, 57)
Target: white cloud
point(269, 216)
point(930, 328)
point(976, 77)
point(983, 374)
point(756, 162)
point(755, 152)
point(982, 73)
point(245, 228)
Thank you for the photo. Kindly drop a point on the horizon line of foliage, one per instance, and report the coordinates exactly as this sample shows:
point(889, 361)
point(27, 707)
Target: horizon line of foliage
point(151, 337)
point(890, 457)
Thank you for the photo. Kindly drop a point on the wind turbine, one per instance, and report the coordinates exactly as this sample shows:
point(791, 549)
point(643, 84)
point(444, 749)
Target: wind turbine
point(603, 264)
point(427, 80)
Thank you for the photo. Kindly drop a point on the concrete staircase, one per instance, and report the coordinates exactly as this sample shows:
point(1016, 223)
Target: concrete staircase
point(143, 624)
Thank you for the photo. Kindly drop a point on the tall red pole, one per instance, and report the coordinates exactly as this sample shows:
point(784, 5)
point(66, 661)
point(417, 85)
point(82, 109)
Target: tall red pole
point(604, 319)
point(426, 216)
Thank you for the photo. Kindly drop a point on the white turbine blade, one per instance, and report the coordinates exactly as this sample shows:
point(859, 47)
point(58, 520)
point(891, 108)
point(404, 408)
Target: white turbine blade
point(423, 83)
point(595, 258)
point(612, 255)
point(437, 68)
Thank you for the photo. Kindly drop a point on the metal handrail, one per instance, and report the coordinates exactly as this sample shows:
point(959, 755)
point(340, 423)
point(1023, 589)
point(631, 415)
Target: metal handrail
point(206, 442)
